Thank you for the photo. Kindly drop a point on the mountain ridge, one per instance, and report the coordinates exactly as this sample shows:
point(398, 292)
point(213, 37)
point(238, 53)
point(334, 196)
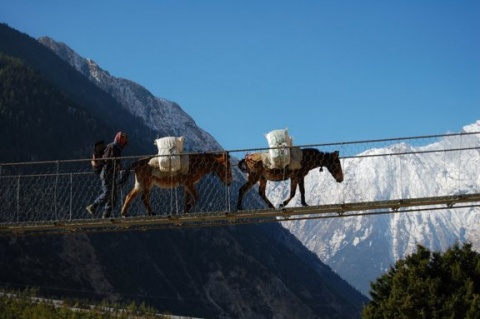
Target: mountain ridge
point(162, 116)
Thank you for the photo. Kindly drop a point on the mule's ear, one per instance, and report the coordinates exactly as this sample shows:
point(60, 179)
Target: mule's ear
point(336, 154)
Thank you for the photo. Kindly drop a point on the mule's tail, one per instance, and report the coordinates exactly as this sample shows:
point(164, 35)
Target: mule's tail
point(126, 173)
point(242, 165)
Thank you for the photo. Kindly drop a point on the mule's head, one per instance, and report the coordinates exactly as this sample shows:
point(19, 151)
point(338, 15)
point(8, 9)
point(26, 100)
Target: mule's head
point(332, 163)
point(223, 168)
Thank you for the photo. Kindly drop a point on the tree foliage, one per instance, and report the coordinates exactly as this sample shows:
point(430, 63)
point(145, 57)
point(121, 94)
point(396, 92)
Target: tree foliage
point(429, 285)
point(26, 304)
point(37, 121)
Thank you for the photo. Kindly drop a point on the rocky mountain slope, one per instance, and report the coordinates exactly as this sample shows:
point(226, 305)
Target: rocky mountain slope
point(164, 117)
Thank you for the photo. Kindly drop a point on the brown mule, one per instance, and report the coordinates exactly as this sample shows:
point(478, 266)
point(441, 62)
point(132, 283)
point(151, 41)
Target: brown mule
point(199, 166)
point(311, 158)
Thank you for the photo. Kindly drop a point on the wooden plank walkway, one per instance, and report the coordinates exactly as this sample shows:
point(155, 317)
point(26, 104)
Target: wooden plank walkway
point(216, 219)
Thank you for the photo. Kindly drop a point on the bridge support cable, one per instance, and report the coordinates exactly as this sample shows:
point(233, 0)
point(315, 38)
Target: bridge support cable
point(51, 197)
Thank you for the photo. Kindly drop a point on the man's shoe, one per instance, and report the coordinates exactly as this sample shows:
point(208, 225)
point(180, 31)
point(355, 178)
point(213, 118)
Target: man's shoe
point(91, 209)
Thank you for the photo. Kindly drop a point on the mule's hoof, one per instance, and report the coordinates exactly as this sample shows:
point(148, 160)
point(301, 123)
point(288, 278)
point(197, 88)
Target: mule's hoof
point(91, 209)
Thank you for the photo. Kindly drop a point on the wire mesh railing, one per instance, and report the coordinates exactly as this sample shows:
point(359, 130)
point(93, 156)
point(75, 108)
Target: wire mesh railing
point(376, 170)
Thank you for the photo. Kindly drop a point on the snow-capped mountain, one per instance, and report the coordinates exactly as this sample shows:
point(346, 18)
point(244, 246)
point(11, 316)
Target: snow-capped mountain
point(361, 248)
point(164, 117)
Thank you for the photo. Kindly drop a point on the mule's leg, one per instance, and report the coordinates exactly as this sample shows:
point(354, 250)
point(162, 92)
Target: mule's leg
point(262, 186)
point(146, 201)
point(128, 200)
point(191, 197)
point(187, 203)
point(252, 179)
point(293, 190)
point(301, 185)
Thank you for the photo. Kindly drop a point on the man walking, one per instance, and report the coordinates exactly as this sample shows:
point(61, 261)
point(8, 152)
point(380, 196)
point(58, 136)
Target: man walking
point(108, 176)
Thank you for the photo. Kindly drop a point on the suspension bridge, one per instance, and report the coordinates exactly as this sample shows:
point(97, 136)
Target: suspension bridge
point(38, 198)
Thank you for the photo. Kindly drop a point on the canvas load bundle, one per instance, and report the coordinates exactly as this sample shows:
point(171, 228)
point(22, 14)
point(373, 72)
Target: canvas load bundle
point(280, 143)
point(169, 150)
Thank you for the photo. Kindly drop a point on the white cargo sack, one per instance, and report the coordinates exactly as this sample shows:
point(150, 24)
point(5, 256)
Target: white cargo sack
point(280, 144)
point(169, 150)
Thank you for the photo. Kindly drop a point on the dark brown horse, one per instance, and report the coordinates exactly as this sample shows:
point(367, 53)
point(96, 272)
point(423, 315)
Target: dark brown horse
point(147, 176)
point(312, 158)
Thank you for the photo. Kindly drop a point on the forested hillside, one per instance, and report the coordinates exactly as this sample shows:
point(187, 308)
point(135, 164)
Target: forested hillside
point(109, 114)
point(39, 122)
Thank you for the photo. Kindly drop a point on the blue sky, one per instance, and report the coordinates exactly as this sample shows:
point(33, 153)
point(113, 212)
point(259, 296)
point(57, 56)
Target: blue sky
point(329, 71)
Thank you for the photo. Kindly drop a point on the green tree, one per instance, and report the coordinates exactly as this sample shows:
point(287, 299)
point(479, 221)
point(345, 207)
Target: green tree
point(429, 285)
point(26, 305)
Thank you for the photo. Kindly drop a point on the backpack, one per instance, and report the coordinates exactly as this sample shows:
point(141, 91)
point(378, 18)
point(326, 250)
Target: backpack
point(97, 162)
